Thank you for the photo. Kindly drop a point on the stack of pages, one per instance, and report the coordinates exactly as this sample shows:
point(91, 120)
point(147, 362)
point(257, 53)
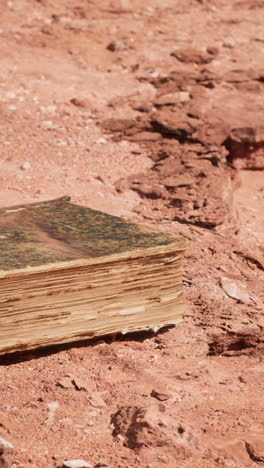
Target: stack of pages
point(69, 273)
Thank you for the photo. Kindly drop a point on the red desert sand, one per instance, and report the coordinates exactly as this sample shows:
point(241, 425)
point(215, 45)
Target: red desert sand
point(151, 111)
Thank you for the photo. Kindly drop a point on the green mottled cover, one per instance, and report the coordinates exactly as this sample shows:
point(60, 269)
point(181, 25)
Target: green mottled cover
point(57, 231)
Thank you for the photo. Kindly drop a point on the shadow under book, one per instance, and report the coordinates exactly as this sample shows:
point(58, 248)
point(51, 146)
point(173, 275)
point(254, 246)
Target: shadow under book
point(69, 273)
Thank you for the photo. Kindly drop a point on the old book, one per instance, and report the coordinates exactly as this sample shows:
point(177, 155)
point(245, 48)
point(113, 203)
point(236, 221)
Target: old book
point(69, 273)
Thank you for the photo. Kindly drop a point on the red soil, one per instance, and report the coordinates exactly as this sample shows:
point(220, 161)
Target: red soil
point(166, 129)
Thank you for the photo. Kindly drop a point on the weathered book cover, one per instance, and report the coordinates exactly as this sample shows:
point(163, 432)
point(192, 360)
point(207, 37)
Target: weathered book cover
point(68, 272)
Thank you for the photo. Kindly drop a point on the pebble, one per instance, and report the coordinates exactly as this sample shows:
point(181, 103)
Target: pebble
point(160, 396)
point(96, 400)
point(76, 464)
point(212, 50)
point(81, 102)
point(116, 46)
point(5, 443)
point(184, 96)
point(102, 464)
point(229, 43)
point(53, 405)
point(173, 98)
point(101, 141)
point(25, 165)
point(120, 437)
point(150, 11)
point(79, 383)
point(61, 143)
point(236, 289)
point(65, 382)
point(47, 124)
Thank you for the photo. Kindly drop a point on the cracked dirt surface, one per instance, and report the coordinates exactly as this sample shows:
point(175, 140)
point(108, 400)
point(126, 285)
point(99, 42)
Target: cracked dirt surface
point(162, 127)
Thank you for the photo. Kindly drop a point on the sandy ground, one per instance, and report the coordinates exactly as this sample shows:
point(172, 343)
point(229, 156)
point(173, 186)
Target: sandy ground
point(151, 111)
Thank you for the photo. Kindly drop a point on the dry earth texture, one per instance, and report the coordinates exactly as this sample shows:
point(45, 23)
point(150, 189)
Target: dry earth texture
point(151, 111)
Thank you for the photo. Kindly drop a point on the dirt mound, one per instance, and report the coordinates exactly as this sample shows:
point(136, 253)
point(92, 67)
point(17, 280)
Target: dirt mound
point(236, 344)
point(152, 428)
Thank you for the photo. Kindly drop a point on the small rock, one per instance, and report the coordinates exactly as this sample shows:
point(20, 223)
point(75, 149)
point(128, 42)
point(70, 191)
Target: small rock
point(5, 444)
point(142, 106)
point(117, 125)
point(96, 400)
point(120, 437)
point(80, 102)
point(184, 96)
point(80, 384)
point(190, 55)
point(229, 44)
point(102, 465)
point(173, 124)
point(160, 396)
point(53, 405)
point(245, 147)
point(242, 379)
point(48, 125)
point(145, 136)
point(150, 11)
point(172, 98)
point(212, 50)
point(116, 46)
point(76, 464)
point(25, 165)
point(236, 289)
point(65, 382)
point(101, 141)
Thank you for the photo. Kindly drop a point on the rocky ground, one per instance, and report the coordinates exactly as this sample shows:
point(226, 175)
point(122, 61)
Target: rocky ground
point(151, 111)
